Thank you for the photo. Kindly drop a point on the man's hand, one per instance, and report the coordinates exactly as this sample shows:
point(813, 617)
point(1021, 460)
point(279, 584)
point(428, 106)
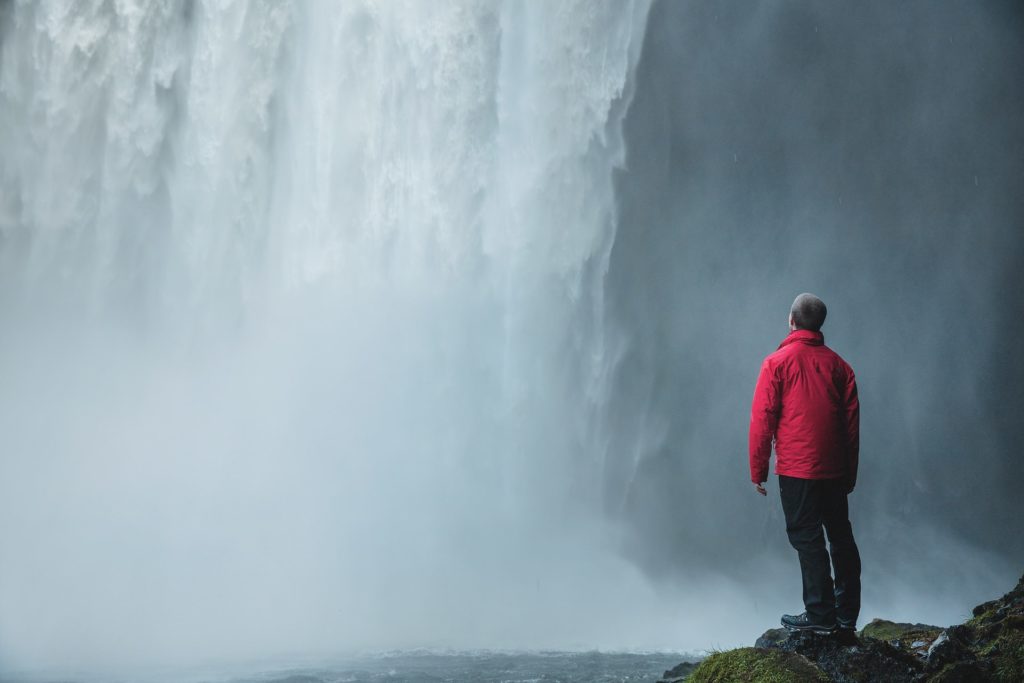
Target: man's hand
point(760, 489)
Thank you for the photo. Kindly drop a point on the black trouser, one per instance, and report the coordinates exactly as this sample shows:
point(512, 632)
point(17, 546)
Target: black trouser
point(809, 505)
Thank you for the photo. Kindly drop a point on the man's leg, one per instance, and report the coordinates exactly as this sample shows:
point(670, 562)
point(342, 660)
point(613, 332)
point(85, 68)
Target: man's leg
point(801, 503)
point(842, 547)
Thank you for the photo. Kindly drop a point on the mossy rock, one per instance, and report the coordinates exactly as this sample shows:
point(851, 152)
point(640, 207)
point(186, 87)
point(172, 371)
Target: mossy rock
point(959, 672)
point(773, 637)
point(679, 672)
point(911, 637)
point(757, 664)
point(1007, 653)
point(984, 619)
point(988, 647)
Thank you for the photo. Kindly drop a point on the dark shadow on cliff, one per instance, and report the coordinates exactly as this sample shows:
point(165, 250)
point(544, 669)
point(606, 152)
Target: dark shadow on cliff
point(873, 154)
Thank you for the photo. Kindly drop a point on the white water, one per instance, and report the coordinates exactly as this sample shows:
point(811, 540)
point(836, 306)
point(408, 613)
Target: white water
point(303, 344)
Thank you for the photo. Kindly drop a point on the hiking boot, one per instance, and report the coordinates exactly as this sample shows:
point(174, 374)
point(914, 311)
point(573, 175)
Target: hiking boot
point(801, 622)
point(844, 625)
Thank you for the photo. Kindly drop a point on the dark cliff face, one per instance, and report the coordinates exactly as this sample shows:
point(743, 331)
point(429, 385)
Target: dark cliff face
point(874, 155)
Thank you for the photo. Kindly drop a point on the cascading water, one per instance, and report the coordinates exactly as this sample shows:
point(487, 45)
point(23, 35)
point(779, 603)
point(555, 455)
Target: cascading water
point(303, 345)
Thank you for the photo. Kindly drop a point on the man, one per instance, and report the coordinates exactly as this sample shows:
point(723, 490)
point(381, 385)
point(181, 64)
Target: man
point(806, 402)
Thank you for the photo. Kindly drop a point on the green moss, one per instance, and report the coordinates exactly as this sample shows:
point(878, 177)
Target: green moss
point(982, 618)
point(904, 634)
point(756, 664)
point(957, 672)
point(1009, 656)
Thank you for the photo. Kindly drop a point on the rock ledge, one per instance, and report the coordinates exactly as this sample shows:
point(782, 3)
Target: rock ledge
point(987, 647)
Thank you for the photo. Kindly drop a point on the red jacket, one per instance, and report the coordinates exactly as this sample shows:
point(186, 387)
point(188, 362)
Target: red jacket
point(806, 400)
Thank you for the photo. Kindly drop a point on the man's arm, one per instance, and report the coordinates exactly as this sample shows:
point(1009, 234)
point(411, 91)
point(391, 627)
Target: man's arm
point(851, 422)
point(764, 418)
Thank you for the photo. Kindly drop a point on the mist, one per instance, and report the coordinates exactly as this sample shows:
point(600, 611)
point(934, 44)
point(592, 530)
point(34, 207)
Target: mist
point(346, 327)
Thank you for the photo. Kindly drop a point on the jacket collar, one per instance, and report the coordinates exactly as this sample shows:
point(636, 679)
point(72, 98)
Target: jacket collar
point(809, 337)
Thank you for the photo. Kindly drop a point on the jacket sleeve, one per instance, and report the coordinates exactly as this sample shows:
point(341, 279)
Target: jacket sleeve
point(851, 420)
point(764, 418)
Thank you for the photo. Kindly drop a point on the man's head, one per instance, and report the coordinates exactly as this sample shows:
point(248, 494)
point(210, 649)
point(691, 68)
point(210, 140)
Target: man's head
point(807, 313)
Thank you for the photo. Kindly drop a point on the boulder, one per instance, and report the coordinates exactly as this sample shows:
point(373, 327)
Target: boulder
point(678, 673)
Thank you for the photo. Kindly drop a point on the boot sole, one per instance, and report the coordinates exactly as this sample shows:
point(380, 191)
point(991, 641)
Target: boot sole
point(820, 630)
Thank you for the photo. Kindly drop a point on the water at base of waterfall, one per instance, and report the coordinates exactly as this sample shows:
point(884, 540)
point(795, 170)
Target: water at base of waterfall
point(423, 666)
point(482, 667)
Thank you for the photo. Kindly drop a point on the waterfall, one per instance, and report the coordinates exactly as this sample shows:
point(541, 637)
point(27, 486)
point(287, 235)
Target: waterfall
point(304, 331)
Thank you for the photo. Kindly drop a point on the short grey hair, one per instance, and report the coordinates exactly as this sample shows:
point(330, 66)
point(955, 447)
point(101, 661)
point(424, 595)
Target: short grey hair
point(808, 312)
